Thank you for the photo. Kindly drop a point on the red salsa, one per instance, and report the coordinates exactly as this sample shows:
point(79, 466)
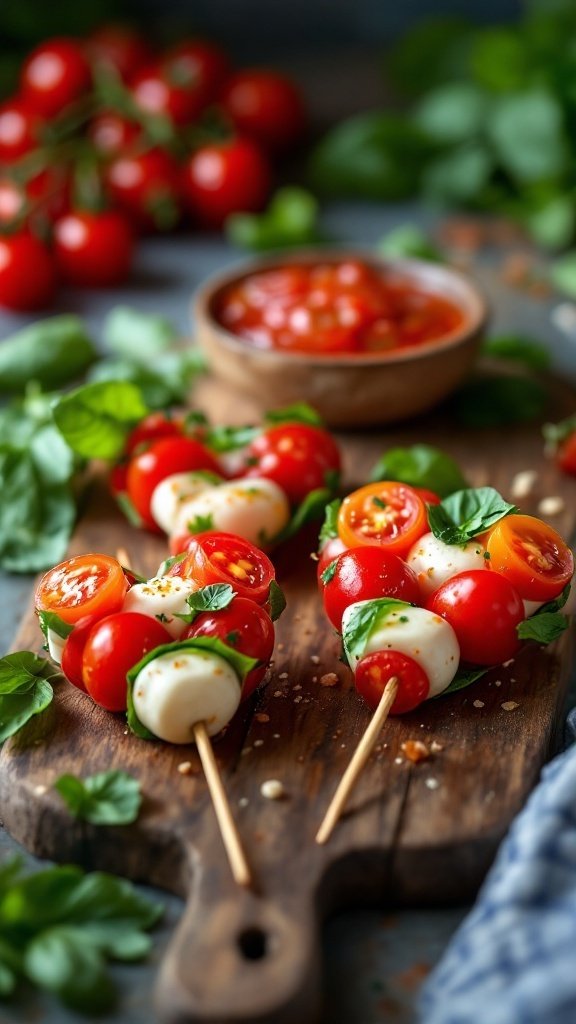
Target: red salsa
point(346, 308)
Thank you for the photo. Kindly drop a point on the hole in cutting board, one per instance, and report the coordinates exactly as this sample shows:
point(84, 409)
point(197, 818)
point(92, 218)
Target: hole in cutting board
point(253, 943)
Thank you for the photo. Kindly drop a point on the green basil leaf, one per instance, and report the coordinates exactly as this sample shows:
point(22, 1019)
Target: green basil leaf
point(563, 273)
point(276, 600)
point(59, 961)
point(454, 112)
point(329, 528)
point(200, 524)
point(107, 798)
point(459, 175)
point(229, 439)
point(544, 627)
point(36, 517)
point(25, 690)
point(164, 381)
point(555, 433)
point(467, 513)
point(527, 132)
point(52, 621)
point(360, 619)
point(434, 50)
point(299, 412)
point(518, 349)
point(557, 603)
point(497, 401)
point(329, 572)
point(463, 678)
point(290, 219)
point(310, 509)
point(552, 222)
point(96, 419)
point(213, 598)
point(420, 466)
point(138, 336)
point(167, 564)
point(127, 506)
point(500, 60)
point(408, 241)
point(52, 352)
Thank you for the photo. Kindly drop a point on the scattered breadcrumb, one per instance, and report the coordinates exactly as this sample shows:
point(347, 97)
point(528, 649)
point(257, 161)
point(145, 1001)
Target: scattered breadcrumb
point(478, 703)
point(432, 783)
point(272, 789)
point(243, 801)
point(329, 679)
point(497, 682)
point(436, 747)
point(398, 760)
point(314, 679)
point(283, 675)
point(297, 687)
point(40, 790)
point(551, 506)
point(246, 750)
point(297, 699)
point(510, 705)
point(275, 735)
point(262, 717)
point(523, 483)
point(280, 647)
point(258, 743)
point(415, 750)
point(314, 659)
point(185, 767)
point(278, 693)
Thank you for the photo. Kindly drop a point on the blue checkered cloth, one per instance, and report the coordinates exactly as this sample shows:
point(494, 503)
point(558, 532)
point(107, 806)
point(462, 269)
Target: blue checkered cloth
point(513, 960)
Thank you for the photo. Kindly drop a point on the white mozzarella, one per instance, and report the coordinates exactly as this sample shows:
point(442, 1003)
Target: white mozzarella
point(55, 645)
point(175, 691)
point(168, 496)
point(234, 462)
point(162, 598)
point(423, 636)
point(254, 509)
point(435, 562)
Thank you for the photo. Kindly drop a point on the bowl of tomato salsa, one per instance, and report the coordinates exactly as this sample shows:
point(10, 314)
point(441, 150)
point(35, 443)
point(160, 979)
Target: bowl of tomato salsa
point(363, 339)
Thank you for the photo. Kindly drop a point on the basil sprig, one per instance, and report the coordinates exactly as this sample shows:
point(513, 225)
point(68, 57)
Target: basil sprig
point(329, 528)
point(107, 798)
point(213, 598)
point(52, 621)
point(420, 466)
point(361, 618)
point(465, 514)
point(25, 690)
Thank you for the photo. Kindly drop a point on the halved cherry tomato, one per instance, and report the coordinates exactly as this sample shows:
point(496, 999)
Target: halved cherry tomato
point(245, 626)
point(298, 457)
point(114, 646)
point(163, 458)
point(215, 557)
point(365, 573)
point(374, 670)
point(83, 585)
point(388, 514)
point(483, 609)
point(531, 555)
point(73, 650)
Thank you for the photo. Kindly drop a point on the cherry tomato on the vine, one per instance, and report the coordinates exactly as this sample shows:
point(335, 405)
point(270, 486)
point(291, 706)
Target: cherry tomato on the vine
point(365, 573)
point(163, 458)
point(245, 626)
point(113, 647)
point(201, 63)
point(113, 134)
point(215, 557)
point(83, 585)
point(19, 129)
point(531, 555)
point(146, 185)
point(93, 249)
point(159, 90)
point(266, 106)
point(118, 47)
point(387, 514)
point(374, 670)
point(298, 457)
point(55, 75)
point(27, 272)
point(483, 609)
point(224, 177)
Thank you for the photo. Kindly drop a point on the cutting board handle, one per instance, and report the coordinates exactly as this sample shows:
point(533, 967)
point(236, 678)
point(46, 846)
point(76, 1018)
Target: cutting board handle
point(241, 958)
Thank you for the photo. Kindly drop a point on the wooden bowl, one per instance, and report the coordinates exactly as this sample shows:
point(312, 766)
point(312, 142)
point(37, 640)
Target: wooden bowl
point(346, 391)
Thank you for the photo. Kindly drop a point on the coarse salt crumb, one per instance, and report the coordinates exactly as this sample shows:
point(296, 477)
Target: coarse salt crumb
point(297, 687)
point(185, 767)
point(40, 790)
point(551, 506)
point(432, 783)
point(398, 760)
point(314, 659)
point(329, 679)
point(272, 789)
point(246, 750)
point(436, 747)
point(262, 717)
point(243, 801)
point(510, 705)
point(258, 743)
point(297, 700)
point(283, 675)
point(280, 647)
point(478, 703)
point(275, 735)
point(415, 750)
point(497, 682)
point(523, 483)
point(278, 693)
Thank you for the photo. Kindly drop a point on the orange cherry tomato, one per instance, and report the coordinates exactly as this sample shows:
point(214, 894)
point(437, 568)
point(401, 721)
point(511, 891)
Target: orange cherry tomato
point(532, 555)
point(388, 514)
point(84, 585)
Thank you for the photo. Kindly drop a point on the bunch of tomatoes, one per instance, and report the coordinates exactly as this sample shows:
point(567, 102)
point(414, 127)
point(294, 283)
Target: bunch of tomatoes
point(106, 138)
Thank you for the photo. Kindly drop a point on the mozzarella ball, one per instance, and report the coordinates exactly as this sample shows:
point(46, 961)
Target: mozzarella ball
point(55, 645)
point(162, 598)
point(175, 691)
point(254, 509)
point(168, 496)
point(435, 562)
point(423, 636)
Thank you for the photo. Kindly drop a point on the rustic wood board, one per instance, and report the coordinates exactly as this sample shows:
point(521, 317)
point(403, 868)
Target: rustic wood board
point(254, 956)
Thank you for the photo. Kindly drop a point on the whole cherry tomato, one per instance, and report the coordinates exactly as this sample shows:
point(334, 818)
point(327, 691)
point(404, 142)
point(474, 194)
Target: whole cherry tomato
point(118, 47)
point(245, 626)
point(93, 249)
point(13, 201)
point(387, 514)
point(73, 650)
point(153, 427)
point(483, 609)
point(83, 585)
point(114, 646)
point(374, 670)
point(113, 134)
point(265, 106)
point(163, 458)
point(19, 129)
point(224, 177)
point(328, 552)
point(429, 497)
point(54, 75)
point(566, 454)
point(118, 479)
point(161, 90)
point(365, 573)
point(27, 272)
point(215, 557)
point(146, 186)
point(201, 63)
point(298, 457)
point(531, 555)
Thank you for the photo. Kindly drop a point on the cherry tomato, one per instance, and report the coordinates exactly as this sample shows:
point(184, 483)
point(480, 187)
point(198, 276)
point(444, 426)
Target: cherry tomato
point(266, 106)
point(245, 626)
point(73, 650)
point(118, 47)
point(146, 186)
point(49, 191)
point(483, 609)
point(154, 427)
point(113, 134)
point(429, 497)
point(160, 90)
point(328, 552)
point(163, 458)
point(222, 178)
point(118, 479)
point(113, 647)
point(374, 670)
point(566, 454)
point(203, 64)
point(215, 557)
point(298, 457)
point(531, 555)
point(54, 75)
point(388, 514)
point(93, 249)
point(365, 573)
point(27, 272)
point(83, 585)
point(19, 129)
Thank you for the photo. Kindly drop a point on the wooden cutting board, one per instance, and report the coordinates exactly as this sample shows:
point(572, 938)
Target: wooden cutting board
point(414, 834)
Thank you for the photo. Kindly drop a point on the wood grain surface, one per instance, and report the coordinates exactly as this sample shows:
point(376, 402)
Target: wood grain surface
point(413, 834)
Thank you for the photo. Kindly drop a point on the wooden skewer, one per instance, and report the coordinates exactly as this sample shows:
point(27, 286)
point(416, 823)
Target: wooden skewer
point(359, 758)
point(230, 836)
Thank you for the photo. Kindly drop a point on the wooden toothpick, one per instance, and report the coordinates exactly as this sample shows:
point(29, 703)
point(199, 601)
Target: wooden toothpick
point(361, 755)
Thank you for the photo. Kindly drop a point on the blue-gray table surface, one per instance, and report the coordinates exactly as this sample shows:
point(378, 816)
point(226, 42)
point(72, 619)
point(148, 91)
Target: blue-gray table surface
point(375, 962)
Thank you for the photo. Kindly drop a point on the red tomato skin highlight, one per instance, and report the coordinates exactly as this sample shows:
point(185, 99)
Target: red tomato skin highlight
point(28, 276)
point(113, 647)
point(483, 609)
point(54, 75)
point(298, 457)
point(94, 250)
point(362, 574)
point(73, 651)
point(223, 178)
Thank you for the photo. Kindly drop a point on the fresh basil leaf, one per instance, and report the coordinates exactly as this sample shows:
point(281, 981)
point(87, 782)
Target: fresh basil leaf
point(454, 112)
point(164, 381)
point(497, 401)
point(500, 60)
point(167, 564)
point(408, 241)
point(519, 350)
point(52, 621)
point(127, 506)
point(360, 619)
point(107, 798)
point(60, 961)
point(434, 50)
point(25, 690)
point(552, 222)
point(200, 524)
point(544, 627)
point(36, 517)
point(229, 439)
point(54, 459)
point(96, 419)
point(463, 678)
point(563, 273)
point(527, 132)
point(329, 528)
point(311, 508)
point(299, 412)
point(555, 433)
point(290, 219)
point(52, 352)
point(213, 598)
point(467, 513)
point(420, 466)
point(276, 600)
point(138, 336)
point(329, 572)
point(459, 175)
